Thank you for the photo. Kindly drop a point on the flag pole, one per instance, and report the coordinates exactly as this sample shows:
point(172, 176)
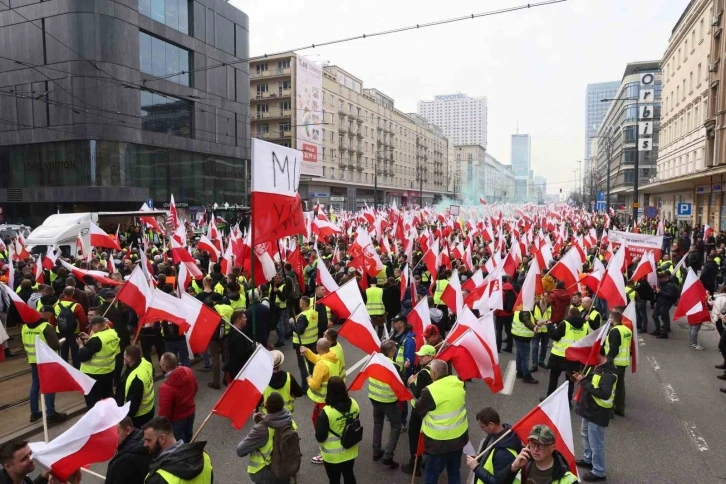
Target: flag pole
point(415, 464)
point(491, 446)
point(91, 473)
point(238, 330)
point(44, 411)
point(109, 306)
point(211, 412)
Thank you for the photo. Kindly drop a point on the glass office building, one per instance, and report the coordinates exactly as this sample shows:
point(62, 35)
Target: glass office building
point(595, 109)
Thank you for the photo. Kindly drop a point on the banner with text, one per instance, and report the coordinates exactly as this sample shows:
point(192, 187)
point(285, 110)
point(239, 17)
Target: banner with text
point(637, 244)
point(309, 114)
point(276, 208)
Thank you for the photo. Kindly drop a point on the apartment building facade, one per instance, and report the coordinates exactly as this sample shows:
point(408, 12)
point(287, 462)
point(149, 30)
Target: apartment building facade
point(483, 176)
point(365, 147)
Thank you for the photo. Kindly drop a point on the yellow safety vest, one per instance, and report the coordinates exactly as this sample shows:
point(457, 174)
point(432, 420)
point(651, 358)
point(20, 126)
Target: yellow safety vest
point(630, 292)
point(400, 360)
point(226, 311)
point(448, 420)
point(591, 318)
point(310, 335)
point(440, 286)
point(278, 301)
point(374, 301)
point(318, 396)
point(604, 403)
point(204, 477)
point(380, 392)
point(219, 289)
point(489, 464)
point(240, 303)
point(28, 335)
point(539, 316)
point(72, 307)
point(626, 337)
point(425, 276)
point(284, 393)
point(34, 288)
point(338, 350)
point(262, 457)
point(196, 287)
point(519, 328)
point(103, 361)
point(382, 277)
point(331, 449)
point(572, 334)
point(145, 373)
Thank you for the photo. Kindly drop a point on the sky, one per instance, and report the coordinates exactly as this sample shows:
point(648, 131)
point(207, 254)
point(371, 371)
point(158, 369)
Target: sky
point(533, 65)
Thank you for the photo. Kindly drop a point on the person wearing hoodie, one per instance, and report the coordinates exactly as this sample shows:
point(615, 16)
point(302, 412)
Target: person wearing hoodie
point(559, 301)
point(176, 396)
point(494, 465)
point(595, 406)
point(339, 408)
point(282, 382)
point(131, 462)
point(539, 462)
point(173, 460)
point(258, 444)
point(564, 334)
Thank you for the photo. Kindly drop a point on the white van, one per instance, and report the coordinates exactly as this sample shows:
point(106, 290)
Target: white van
point(62, 229)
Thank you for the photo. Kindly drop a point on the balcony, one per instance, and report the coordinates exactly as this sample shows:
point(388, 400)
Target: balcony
point(351, 165)
point(359, 151)
point(341, 164)
point(342, 111)
point(359, 119)
point(351, 149)
point(271, 73)
point(264, 135)
point(274, 114)
point(341, 147)
point(379, 128)
point(359, 135)
point(343, 129)
point(359, 166)
point(284, 93)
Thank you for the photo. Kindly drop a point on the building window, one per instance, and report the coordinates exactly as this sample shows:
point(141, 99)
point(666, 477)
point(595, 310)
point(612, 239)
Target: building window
point(160, 58)
point(698, 76)
point(173, 13)
point(285, 106)
point(260, 68)
point(166, 114)
point(332, 173)
point(283, 64)
point(685, 50)
point(700, 29)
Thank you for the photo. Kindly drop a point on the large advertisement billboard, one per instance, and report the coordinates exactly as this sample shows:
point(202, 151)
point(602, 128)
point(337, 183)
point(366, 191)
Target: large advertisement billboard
point(309, 105)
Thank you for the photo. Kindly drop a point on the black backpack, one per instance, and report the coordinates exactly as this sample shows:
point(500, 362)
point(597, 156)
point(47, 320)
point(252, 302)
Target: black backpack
point(352, 432)
point(66, 320)
point(286, 455)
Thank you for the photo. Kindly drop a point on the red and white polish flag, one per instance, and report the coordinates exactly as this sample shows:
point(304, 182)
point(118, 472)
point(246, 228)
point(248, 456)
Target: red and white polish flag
point(530, 288)
point(324, 278)
point(346, 302)
point(592, 280)
point(244, 392)
point(92, 439)
point(382, 369)
point(56, 375)
point(587, 349)
point(612, 287)
point(164, 307)
point(405, 278)
point(99, 238)
point(206, 244)
point(202, 321)
point(27, 314)
point(136, 292)
point(567, 269)
point(420, 319)
point(554, 412)
point(452, 295)
point(630, 319)
point(98, 276)
point(693, 301)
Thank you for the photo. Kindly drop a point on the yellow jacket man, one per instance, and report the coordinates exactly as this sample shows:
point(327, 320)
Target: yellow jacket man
point(137, 386)
point(97, 353)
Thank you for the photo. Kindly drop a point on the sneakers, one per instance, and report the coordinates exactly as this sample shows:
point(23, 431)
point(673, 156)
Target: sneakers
point(697, 347)
point(390, 463)
point(57, 417)
point(318, 459)
point(584, 464)
point(530, 380)
point(590, 477)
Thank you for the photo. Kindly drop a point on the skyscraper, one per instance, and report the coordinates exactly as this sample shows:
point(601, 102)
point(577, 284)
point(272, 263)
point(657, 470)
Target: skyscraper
point(521, 163)
point(462, 118)
point(595, 109)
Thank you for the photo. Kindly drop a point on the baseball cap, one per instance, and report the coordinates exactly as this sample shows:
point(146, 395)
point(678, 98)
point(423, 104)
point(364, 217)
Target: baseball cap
point(542, 434)
point(426, 350)
point(399, 317)
point(278, 357)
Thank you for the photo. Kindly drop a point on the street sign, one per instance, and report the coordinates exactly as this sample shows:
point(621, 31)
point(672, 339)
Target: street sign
point(684, 211)
point(651, 212)
point(150, 202)
point(600, 201)
point(635, 205)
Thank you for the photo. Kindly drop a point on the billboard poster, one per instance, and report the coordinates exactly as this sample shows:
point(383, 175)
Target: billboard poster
point(637, 244)
point(309, 110)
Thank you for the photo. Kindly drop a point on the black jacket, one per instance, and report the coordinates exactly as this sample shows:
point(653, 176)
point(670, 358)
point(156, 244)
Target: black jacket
point(186, 462)
point(262, 322)
point(135, 393)
point(644, 291)
point(668, 294)
point(586, 407)
point(708, 276)
point(392, 299)
point(5, 479)
point(558, 470)
point(239, 350)
point(131, 462)
point(502, 457)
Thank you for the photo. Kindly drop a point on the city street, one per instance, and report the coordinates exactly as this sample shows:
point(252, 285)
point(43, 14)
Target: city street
point(671, 432)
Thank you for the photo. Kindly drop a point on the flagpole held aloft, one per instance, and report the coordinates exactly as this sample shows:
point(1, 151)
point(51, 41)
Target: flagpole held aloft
point(44, 411)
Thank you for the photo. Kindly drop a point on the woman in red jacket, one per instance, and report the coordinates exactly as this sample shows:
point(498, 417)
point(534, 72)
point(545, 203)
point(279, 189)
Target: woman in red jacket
point(176, 396)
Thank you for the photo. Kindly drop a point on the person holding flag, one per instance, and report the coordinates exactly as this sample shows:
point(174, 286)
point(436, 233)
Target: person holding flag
point(617, 350)
point(43, 329)
point(506, 446)
point(97, 354)
point(523, 330)
point(539, 462)
point(594, 405)
point(666, 295)
point(385, 407)
point(416, 383)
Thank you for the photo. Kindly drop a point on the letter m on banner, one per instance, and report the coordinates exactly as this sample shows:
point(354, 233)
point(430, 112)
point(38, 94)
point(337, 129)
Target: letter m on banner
point(276, 208)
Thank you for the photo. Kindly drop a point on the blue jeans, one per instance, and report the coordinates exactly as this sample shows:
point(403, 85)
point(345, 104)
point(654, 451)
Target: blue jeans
point(523, 348)
point(281, 325)
point(695, 328)
point(593, 442)
point(207, 362)
point(35, 392)
point(183, 428)
point(539, 346)
point(436, 463)
point(70, 342)
point(640, 315)
point(179, 348)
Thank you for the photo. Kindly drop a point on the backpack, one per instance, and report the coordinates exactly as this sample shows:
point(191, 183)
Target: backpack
point(352, 432)
point(295, 292)
point(286, 455)
point(66, 320)
point(509, 300)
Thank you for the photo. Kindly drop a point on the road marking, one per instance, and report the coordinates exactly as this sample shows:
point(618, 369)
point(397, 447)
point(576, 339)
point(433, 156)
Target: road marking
point(670, 393)
point(509, 378)
point(698, 441)
point(355, 367)
point(653, 363)
point(641, 341)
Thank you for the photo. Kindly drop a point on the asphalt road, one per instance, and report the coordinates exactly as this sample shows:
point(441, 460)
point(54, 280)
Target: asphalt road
point(671, 431)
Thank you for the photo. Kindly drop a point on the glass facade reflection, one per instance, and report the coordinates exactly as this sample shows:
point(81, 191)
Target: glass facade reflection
point(160, 58)
point(166, 114)
point(173, 13)
point(195, 178)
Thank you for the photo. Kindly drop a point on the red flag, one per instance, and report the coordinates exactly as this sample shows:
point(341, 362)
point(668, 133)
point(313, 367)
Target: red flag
point(526, 297)
point(56, 375)
point(420, 319)
point(630, 321)
point(612, 287)
point(587, 349)
point(323, 277)
point(382, 369)
point(242, 395)
point(202, 320)
point(693, 301)
point(97, 276)
point(136, 292)
point(206, 244)
point(567, 269)
point(164, 307)
point(27, 314)
point(99, 238)
point(296, 261)
point(452, 295)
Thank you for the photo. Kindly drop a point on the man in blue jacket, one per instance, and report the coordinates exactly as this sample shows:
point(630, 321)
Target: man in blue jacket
point(405, 355)
point(494, 465)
